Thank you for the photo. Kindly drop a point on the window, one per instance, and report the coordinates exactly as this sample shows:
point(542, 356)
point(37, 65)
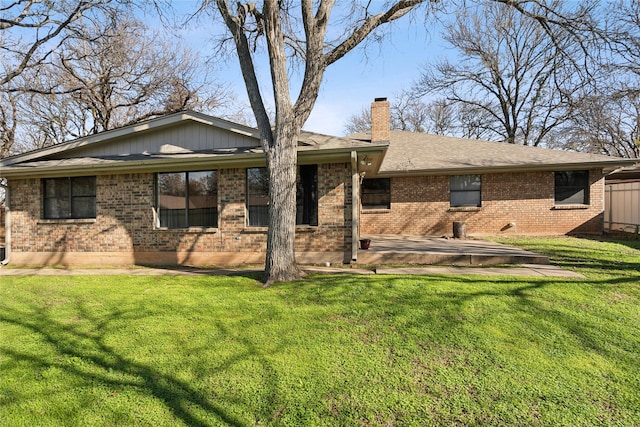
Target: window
point(258, 197)
point(572, 188)
point(69, 198)
point(188, 199)
point(306, 196)
point(376, 193)
point(465, 191)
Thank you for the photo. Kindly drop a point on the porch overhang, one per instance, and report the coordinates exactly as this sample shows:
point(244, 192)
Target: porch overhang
point(168, 162)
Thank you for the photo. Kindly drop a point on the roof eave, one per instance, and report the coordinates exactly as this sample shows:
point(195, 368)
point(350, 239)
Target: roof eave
point(607, 165)
point(153, 124)
point(244, 160)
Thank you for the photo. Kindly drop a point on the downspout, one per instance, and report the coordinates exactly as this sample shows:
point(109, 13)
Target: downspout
point(7, 225)
point(355, 206)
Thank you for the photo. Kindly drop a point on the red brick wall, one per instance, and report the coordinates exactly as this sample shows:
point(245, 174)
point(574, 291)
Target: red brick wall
point(124, 223)
point(420, 205)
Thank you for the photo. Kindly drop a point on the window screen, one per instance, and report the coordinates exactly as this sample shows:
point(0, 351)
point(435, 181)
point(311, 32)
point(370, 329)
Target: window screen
point(465, 190)
point(376, 193)
point(571, 187)
point(73, 197)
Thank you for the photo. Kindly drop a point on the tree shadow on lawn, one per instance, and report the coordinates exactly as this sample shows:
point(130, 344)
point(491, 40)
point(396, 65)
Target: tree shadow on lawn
point(582, 252)
point(72, 341)
point(416, 302)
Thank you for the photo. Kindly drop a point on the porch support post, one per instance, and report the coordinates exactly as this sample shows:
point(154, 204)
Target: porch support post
point(355, 206)
point(7, 226)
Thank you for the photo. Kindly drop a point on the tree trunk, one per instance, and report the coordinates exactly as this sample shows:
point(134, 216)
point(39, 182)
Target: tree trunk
point(280, 263)
point(280, 141)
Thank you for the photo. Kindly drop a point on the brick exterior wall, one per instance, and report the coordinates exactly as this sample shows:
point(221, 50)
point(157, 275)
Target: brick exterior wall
point(123, 231)
point(420, 205)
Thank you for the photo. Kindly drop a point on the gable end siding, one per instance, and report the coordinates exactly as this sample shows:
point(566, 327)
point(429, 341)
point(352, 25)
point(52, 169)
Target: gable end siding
point(188, 136)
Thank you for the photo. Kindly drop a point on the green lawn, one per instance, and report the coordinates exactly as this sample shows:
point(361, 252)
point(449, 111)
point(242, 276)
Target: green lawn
point(329, 350)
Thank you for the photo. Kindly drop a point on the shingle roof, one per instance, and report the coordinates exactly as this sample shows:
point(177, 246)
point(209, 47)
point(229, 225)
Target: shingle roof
point(406, 153)
point(419, 153)
point(68, 157)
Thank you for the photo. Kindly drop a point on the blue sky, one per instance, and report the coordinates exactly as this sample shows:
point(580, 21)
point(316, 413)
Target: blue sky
point(349, 84)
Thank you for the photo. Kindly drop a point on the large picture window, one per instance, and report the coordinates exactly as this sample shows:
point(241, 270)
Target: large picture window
point(571, 188)
point(188, 199)
point(376, 193)
point(306, 196)
point(465, 191)
point(69, 198)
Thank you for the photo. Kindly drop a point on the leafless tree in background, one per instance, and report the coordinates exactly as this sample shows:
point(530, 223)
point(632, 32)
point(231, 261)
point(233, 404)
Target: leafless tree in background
point(109, 74)
point(515, 74)
point(107, 70)
point(606, 125)
point(408, 113)
point(607, 116)
point(8, 122)
point(30, 32)
point(438, 117)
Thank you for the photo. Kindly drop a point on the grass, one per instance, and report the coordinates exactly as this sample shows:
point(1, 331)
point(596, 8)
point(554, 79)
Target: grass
point(328, 350)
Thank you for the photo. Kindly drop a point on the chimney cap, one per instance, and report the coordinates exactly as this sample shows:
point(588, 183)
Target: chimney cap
point(380, 99)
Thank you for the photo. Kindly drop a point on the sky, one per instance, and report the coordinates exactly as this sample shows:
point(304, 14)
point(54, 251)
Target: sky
point(351, 83)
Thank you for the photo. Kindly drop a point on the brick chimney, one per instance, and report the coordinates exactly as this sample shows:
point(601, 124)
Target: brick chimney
point(380, 120)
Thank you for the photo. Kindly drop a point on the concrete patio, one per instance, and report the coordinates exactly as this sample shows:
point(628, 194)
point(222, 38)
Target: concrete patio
point(388, 254)
point(431, 250)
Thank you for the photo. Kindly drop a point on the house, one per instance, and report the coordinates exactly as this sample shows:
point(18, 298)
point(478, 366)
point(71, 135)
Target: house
point(622, 201)
point(427, 182)
point(190, 189)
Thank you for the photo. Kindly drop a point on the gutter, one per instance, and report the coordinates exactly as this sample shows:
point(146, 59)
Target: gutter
point(7, 226)
point(608, 165)
point(169, 164)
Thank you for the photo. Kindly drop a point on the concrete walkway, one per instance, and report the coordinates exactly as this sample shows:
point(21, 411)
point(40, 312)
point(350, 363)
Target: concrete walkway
point(527, 270)
point(531, 270)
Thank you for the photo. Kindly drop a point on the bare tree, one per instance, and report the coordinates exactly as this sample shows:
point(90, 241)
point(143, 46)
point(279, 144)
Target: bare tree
point(294, 33)
point(358, 122)
point(308, 34)
point(623, 24)
point(112, 72)
point(410, 113)
point(607, 118)
point(8, 122)
point(517, 73)
point(606, 124)
point(30, 31)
